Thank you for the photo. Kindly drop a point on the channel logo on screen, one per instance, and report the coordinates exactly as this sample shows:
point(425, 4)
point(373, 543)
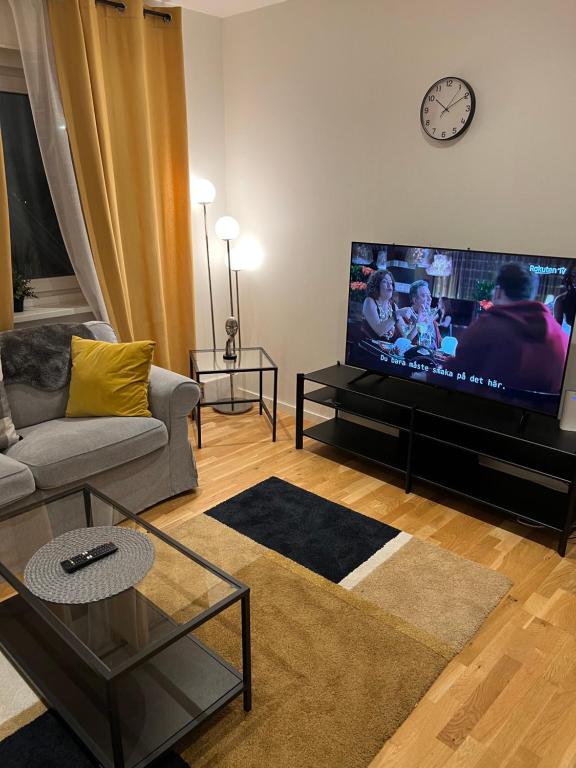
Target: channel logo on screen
point(538, 270)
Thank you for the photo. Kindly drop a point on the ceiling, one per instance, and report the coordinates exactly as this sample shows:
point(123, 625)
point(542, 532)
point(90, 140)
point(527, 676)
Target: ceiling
point(220, 7)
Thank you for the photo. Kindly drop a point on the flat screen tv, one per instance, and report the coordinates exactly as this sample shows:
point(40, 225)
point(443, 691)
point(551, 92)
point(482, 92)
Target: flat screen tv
point(496, 325)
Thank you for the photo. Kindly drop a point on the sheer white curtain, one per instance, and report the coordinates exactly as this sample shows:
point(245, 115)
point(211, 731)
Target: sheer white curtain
point(33, 30)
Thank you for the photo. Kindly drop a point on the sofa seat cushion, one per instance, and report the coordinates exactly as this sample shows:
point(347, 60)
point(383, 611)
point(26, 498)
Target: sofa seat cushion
point(65, 451)
point(16, 480)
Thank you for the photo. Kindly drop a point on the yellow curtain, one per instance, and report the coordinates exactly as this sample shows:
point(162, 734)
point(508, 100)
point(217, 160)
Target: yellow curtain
point(122, 82)
point(6, 299)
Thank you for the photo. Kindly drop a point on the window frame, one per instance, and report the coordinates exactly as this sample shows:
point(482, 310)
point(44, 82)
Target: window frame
point(12, 78)
point(54, 294)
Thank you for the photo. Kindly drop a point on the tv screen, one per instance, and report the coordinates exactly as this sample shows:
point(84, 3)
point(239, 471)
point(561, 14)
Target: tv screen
point(496, 325)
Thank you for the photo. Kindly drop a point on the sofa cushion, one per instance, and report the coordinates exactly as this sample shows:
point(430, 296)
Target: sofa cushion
point(109, 379)
point(16, 480)
point(65, 451)
point(31, 406)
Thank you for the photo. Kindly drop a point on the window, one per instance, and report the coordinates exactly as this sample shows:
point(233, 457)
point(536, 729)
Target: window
point(38, 250)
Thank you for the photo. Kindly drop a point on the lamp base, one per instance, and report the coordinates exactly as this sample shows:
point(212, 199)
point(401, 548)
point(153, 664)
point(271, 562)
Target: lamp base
point(232, 409)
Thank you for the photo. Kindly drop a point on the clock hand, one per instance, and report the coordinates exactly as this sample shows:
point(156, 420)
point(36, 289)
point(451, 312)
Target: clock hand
point(452, 102)
point(460, 99)
point(453, 97)
point(443, 107)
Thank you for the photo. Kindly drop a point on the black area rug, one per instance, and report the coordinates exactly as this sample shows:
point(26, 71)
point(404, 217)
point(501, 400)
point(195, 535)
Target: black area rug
point(47, 743)
point(324, 537)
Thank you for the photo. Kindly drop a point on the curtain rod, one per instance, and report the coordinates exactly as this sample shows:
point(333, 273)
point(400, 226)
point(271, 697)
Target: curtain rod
point(121, 7)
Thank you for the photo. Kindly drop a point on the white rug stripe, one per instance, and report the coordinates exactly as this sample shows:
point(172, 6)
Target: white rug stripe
point(16, 695)
point(389, 549)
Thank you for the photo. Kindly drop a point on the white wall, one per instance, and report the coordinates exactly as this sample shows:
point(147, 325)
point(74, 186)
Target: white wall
point(324, 146)
point(202, 36)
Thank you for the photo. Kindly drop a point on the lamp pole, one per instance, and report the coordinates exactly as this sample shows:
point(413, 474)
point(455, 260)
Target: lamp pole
point(209, 277)
point(204, 193)
point(230, 288)
point(238, 309)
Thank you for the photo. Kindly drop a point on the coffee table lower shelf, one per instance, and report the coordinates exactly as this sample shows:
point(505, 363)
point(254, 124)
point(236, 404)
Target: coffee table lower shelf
point(159, 701)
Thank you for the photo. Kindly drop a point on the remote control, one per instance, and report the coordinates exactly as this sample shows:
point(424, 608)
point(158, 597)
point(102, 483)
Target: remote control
point(90, 556)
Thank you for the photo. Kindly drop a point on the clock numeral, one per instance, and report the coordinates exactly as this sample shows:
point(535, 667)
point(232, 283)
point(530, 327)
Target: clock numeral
point(431, 97)
point(433, 130)
point(438, 88)
point(427, 122)
point(463, 120)
point(468, 108)
point(467, 94)
point(454, 130)
point(426, 110)
point(449, 83)
point(443, 134)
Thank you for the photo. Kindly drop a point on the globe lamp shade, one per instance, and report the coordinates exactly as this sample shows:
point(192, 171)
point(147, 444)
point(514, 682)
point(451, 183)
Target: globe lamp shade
point(227, 228)
point(203, 192)
point(247, 255)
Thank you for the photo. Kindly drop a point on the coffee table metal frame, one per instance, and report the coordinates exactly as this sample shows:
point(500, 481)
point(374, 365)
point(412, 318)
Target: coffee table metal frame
point(235, 366)
point(111, 678)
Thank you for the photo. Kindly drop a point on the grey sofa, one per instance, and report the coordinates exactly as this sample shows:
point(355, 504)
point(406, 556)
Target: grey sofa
point(135, 461)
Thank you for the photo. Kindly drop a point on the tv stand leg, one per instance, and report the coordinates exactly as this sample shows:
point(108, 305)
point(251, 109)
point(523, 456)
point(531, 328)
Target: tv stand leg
point(569, 522)
point(382, 376)
point(299, 410)
point(523, 420)
point(360, 377)
point(408, 485)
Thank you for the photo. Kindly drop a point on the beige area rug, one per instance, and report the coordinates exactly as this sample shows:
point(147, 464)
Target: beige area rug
point(336, 668)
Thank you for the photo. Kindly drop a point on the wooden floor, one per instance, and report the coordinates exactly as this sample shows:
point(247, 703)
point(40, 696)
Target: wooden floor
point(509, 699)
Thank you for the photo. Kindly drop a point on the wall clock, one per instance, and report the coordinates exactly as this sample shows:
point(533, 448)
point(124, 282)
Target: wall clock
point(447, 108)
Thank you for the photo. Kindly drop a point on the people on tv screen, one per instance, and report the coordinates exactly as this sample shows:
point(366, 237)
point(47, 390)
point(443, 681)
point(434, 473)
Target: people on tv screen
point(422, 328)
point(379, 311)
point(565, 303)
point(516, 342)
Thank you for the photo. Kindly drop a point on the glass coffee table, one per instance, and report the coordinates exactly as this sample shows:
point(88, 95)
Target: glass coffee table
point(205, 362)
point(125, 673)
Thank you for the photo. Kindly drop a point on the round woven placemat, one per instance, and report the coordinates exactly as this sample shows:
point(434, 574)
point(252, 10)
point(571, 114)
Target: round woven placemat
point(45, 577)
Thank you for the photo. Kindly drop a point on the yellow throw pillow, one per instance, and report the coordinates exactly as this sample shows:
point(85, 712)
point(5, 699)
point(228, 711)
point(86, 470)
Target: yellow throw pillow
point(109, 379)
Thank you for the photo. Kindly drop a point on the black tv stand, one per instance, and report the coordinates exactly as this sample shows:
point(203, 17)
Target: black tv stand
point(365, 374)
point(471, 447)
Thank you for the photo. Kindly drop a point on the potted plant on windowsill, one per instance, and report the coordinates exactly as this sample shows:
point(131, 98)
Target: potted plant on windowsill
point(21, 289)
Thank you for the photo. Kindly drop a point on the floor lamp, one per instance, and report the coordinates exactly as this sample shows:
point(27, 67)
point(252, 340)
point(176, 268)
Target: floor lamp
point(227, 229)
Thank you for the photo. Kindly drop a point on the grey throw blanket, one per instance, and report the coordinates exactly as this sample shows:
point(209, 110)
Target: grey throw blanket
point(40, 356)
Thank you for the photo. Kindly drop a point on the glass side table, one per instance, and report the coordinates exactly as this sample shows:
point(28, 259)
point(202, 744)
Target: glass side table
point(249, 360)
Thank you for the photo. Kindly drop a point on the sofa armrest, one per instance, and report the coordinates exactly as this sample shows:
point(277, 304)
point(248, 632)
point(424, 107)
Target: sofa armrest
point(171, 396)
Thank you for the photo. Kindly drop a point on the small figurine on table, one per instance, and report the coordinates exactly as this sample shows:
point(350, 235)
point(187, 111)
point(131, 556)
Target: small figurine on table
point(231, 330)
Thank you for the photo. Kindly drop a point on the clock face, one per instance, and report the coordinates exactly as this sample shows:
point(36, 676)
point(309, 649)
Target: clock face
point(447, 109)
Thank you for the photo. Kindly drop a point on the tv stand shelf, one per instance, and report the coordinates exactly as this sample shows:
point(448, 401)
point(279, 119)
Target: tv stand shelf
point(449, 440)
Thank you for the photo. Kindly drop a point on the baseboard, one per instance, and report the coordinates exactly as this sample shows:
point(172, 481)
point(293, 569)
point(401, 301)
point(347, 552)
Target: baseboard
point(290, 409)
